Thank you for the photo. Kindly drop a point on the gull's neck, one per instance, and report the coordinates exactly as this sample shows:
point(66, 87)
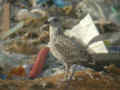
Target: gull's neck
point(54, 32)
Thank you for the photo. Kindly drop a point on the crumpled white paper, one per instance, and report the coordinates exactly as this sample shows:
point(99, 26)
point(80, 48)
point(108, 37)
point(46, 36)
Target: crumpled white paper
point(85, 31)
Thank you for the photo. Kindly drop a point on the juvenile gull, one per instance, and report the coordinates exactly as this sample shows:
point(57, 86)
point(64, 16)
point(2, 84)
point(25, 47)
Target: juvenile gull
point(66, 49)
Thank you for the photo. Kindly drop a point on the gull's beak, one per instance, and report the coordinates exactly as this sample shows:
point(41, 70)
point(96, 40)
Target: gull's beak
point(49, 20)
point(46, 22)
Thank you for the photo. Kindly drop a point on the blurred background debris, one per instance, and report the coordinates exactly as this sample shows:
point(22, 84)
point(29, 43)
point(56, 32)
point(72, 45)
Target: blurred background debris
point(25, 32)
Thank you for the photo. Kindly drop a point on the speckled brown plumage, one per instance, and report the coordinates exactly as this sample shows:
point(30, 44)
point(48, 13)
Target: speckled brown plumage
point(66, 49)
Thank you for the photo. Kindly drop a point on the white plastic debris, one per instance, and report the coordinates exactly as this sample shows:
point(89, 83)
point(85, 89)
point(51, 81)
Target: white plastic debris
point(85, 31)
point(22, 14)
point(9, 61)
point(42, 13)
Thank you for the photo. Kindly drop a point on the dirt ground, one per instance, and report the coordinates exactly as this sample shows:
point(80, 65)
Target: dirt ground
point(82, 82)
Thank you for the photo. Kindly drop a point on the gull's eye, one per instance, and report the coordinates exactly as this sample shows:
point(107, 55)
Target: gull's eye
point(46, 22)
point(56, 20)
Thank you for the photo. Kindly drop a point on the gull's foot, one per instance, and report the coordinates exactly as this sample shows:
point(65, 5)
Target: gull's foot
point(90, 73)
point(63, 83)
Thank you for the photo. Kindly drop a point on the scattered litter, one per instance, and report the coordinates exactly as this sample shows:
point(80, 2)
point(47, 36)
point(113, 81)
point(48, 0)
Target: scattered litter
point(13, 30)
point(16, 73)
point(3, 76)
point(58, 3)
point(23, 52)
point(115, 16)
point(62, 3)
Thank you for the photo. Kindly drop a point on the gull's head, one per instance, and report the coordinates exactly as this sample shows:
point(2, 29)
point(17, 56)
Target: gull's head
point(53, 21)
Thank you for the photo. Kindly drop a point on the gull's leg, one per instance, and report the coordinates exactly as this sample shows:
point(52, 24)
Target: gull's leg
point(90, 72)
point(66, 71)
point(65, 79)
point(72, 72)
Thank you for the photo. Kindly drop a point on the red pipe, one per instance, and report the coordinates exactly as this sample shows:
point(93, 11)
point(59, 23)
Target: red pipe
point(39, 63)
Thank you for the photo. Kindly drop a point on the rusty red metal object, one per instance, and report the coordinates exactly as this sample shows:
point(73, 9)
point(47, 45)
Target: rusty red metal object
point(39, 63)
